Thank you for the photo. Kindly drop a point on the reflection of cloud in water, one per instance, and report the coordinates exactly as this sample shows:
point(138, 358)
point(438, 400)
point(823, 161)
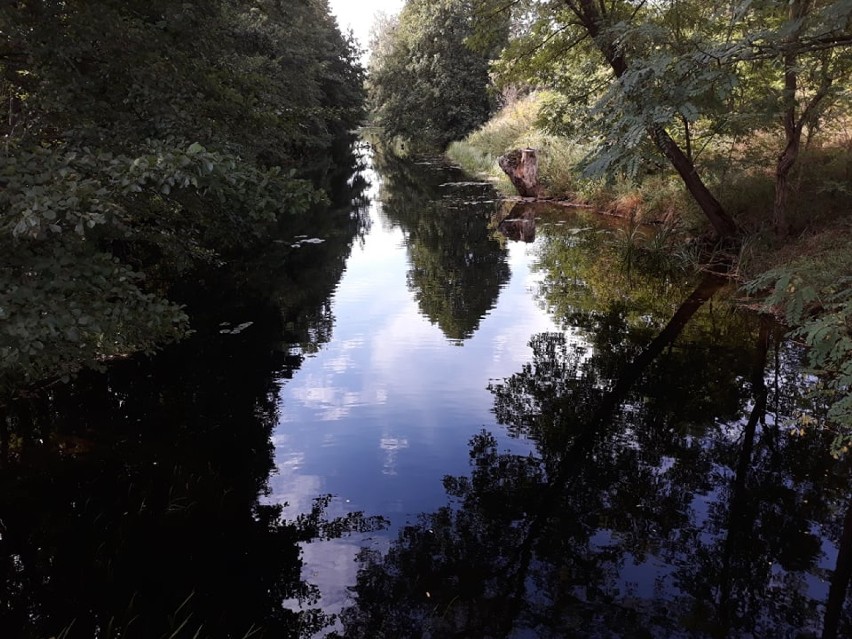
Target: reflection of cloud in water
point(298, 492)
point(330, 400)
point(293, 462)
point(398, 353)
point(391, 445)
point(405, 333)
point(287, 485)
point(315, 392)
point(500, 342)
point(342, 360)
point(331, 567)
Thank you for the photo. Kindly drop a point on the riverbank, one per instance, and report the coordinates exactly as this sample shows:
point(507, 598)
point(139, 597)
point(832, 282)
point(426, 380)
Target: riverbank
point(740, 173)
point(805, 279)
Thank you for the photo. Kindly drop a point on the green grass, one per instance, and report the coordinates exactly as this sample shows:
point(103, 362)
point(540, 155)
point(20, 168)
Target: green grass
point(659, 198)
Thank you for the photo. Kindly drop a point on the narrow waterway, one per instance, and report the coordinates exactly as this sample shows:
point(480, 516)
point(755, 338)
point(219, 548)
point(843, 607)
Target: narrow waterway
point(432, 414)
point(432, 307)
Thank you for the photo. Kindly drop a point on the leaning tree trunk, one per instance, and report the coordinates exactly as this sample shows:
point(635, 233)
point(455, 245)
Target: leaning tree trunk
point(591, 17)
point(723, 223)
point(792, 128)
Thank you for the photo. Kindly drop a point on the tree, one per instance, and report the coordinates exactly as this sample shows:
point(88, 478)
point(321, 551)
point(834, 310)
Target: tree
point(811, 42)
point(676, 65)
point(142, 140)
point(426, 85)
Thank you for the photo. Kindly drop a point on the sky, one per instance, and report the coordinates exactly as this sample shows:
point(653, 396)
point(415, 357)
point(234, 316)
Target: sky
point(358, 15)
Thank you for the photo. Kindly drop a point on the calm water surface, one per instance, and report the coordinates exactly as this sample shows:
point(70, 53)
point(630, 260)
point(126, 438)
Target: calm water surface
point(614, 445)
point(559, 441)
point(431, 308)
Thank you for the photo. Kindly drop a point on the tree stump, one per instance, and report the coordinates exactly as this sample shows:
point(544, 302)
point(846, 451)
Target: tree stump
point(521, 165)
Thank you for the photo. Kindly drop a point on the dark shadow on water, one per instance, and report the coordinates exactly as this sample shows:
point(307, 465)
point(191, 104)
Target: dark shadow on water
point(633, 519)
point(131, 501)
point(515, 221)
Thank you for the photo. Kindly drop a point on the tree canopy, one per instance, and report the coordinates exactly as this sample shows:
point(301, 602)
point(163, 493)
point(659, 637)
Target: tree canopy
point(678, 73)
point(142, 139)
point(426, 84)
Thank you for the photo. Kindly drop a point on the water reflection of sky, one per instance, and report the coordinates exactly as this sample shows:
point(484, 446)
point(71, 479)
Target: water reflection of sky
point(380, 414)
point(386, 409)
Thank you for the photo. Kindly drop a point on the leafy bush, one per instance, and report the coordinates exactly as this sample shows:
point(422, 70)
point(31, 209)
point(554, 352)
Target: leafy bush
point(144, 139)
point(820, 313)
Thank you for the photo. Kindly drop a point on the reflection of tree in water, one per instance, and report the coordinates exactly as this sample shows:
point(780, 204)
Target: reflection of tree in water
point(299, 281)
point(628, 523)
point(147, 492)
point(585, 274)
point(457, 269)
point(130, 501)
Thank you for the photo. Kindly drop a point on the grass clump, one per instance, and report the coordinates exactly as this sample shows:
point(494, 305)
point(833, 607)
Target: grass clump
point(517, 126)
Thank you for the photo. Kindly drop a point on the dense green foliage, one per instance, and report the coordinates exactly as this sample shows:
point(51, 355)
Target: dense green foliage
point(820, 310)
point(142, 139)
point(668, 78)
point(426, 84)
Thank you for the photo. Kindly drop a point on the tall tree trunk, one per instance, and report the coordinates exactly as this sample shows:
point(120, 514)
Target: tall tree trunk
point(591, 16)
point(792, 125)
point(786, 161)
point(793, 128)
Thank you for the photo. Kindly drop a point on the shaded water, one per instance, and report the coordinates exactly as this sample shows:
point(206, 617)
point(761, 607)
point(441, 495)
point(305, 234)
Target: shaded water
point(560, 446)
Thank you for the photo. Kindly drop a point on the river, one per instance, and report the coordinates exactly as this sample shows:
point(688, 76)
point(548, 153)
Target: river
point(402, 418)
